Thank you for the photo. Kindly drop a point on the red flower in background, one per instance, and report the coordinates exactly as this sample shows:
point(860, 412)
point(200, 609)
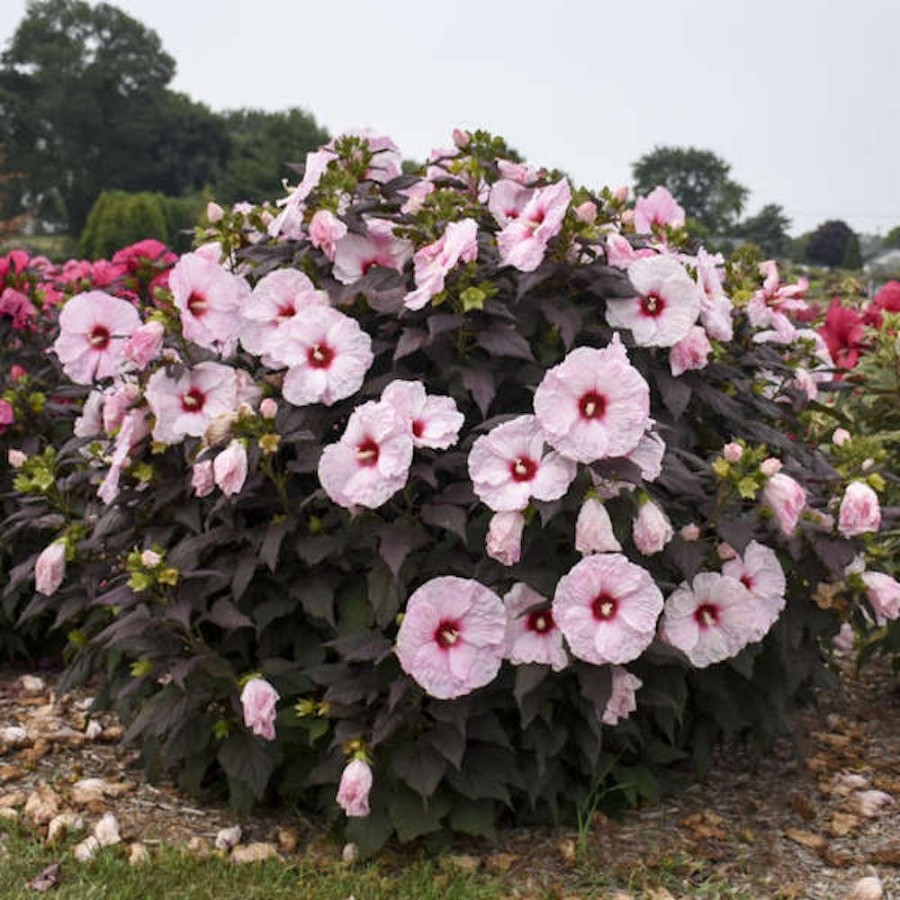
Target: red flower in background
point(886, 300)
point(843, 333)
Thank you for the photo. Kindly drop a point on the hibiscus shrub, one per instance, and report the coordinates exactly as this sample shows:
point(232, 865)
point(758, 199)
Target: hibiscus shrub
point(445, 498)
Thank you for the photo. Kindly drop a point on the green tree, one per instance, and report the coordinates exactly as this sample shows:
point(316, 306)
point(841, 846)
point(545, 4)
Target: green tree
point(768, 229)
point(892, 239)
point(698, 179)
point(263, 146)
point(832, 244)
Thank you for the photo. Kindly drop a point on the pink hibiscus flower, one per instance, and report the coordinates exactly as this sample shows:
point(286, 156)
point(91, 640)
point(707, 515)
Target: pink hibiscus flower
point(507, 200)
point(452, 637)
point(607, 607)
point(93, 331)
point(18, 307)
point(523, 241)
point(594, 404)
point(621, 254)
point(325, 230)
point(883, 593)
point(770, 307)
point(648, 455)
point(277, 298)
point(531, 633)
point(134, 428)
point(508, 466)
point(691, 352)
point(666, 307)
point(860, 510)
point(185, 406)
point(622, 701)
point(504, 537)
point(289, 222)
point(658, 209)
point(259, 701)
point(715, 306)
point(593, 529)
point(651, 530)
point(355, 254)
point(328, 355)
point(712, 620)
point(786, 498)
point(354, 788)
point(371, 461)
point(761, 573)
point(210, 301)
point(434, 421)
point(434, 261)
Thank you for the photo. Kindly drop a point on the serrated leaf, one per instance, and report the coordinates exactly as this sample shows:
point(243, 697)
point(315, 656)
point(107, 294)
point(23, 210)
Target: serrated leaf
point(504, 340)
point(412, 816)
point(481, 385)
point(228, 617)
point(420, 766)
point(247, 759)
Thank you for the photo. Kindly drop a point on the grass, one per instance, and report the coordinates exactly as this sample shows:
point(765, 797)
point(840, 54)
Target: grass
point(173, 873)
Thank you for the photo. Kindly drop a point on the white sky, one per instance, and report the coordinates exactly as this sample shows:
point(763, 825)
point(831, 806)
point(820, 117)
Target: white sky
point(801, 97)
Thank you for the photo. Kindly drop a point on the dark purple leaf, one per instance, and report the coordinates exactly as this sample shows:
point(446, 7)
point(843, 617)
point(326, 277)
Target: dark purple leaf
point(564, 316)
point(411, 339)
point(450, 518)
point(481, 385)
point(228, 617)
point(504, 340)
point(397, 541)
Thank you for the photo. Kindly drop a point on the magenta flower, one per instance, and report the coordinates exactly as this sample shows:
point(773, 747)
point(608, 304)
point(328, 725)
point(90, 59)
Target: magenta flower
point(594, 404)
point(434, 421)
point(651, 530)
point(434, 261)
point(7, 415)
point(452, 636)
point(691, 352)
point(607, 607)
point(258, 701)
point(531, 633)
point(371, 461)
point(230, 468)
point(594, 530)
point(504, 537)
point(761, 573)
point(786, 498)
point(50, 568)
point(94, 329)
point(622, 701)
point(184, 406)
point(523, 241)
point(883, 593)
point(354, 788)
point(276, 299)
point(355, 254)
point(658, 209)
point(860, 510)
point(210, 301)
point(327, 353)
point(667, 304)
point(508, 466)
point(712, 620)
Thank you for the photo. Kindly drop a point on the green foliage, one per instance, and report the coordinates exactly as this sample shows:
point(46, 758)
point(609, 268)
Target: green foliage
point(892, 239)
point(699, 180)
point(768, 229)
point(830, 245)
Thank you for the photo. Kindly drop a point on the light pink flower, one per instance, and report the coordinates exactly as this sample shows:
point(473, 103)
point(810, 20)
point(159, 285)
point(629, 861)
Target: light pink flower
point(354, 788)
point(276, 299)
point(760, 572)
point(93, 331)
point(860, 510)
point(715, 306)
point(883, 593)
point(508, 466)
point(725, 551)
point(325, 230)
point(648, 455)
point(586, 212)
point(594, 530)
point(202, 478)
point(691, 352)
point(840, 437)
point(145, 344)
point(185, 405)
point(711, 620)
point(521, 173)
point(622, 701)
point(116, 403)
point(770, 307)
point(50, 568)
point(90, 422)
point(210, 301)
point(328, 355)
point(658, 209)
point(523, 241)
point(607, 607)
point(452, 636)
point(259, 700)
point(434, 421)
point(434, 261)
point(416, 193)
point(504, 537)
point(371, 461)
point(845, 638)
point(507, 200)
point(214, 212)
point(230, 468)
point(16, 458)
point(651, 530)
point(621, 254)
point(733, 452)
point(355, 254)
point(268, 409)
point(666, 306)
point(786, 498)
point(690, 532)
point(770, 466)
point(134, 428)
point(594, 404)
point(531, 633)
point(289, 222)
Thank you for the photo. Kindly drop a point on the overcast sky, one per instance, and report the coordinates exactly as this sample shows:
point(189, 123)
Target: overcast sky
point(801, 97)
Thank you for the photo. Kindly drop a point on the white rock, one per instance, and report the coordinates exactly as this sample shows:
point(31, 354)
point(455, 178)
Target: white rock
point(7, 812)
point(869, 888)
point(138, 854)
point(87, 849)
point(107, 831)
point(228, 838)
point(13, 736)
point(31, 684)
point(350, 854)
point(88, 790)
point(42, 805)
point(62, 824)
point(94, 730)
point(255, 852)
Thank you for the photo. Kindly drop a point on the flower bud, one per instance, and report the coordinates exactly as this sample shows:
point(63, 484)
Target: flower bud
point(504, 538)
point(594, 530)
point(770, 466)
point(860, 511)
point(50, 568)
point(16, 458)
point(214, 212)
point(840, 437)
point(353, 791)
point(258, 701)
point(652, 529)
point(733, 452)
point(268, 409)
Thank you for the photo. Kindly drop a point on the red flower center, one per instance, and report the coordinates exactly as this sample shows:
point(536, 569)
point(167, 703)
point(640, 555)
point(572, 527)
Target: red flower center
point(747, 582)
point(367, 264)
point(367, 452)
point(447, 634)
point(592, 405)
point(320, 356)
point(99, 337)
point(418, 428)
point(540, 620)
point(706, 615)
point(523, 469)
point(197, 304)
point(286, 312)
point(192, 401)
point(604, 607)
point(652, 305)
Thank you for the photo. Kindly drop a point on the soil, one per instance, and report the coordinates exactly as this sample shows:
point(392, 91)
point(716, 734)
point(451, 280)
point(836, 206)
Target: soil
point(818, 814)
